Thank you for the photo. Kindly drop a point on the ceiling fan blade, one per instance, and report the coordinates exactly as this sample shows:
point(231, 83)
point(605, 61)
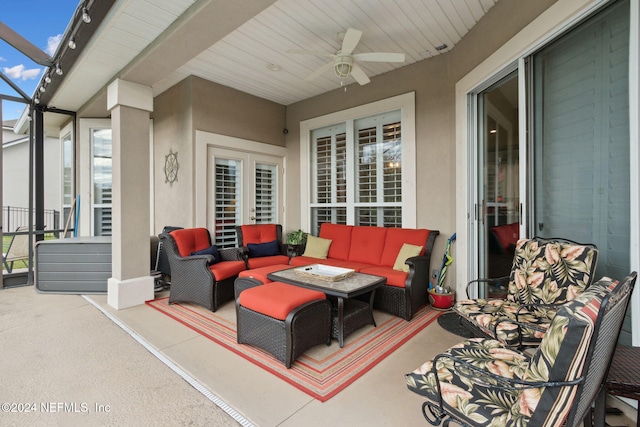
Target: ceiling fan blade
point(350, 40)
point(359, 75)
point(379, 57)
point(310, 52)
point(319, 71)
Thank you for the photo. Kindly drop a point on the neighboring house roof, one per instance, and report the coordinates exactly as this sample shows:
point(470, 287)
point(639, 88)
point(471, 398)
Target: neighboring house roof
point(159, 43)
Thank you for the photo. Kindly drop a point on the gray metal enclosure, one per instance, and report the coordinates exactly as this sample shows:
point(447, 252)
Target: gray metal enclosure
point(78, 265)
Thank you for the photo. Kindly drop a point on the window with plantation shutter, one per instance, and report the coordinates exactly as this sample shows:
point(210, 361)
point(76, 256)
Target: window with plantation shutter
point(356, 178)
point(266, 194)
point(228, 196)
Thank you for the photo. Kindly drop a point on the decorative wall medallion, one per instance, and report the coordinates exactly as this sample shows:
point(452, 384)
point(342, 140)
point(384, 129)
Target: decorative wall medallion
point(171, 167)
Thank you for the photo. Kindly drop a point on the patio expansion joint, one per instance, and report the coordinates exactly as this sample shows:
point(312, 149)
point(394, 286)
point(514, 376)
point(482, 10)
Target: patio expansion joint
point(171, 365)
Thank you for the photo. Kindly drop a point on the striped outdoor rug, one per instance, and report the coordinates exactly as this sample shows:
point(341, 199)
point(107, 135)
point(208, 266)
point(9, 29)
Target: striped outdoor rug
point(322, 371)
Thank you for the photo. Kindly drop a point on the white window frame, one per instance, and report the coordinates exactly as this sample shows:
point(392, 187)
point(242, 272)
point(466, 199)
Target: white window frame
point(406, 104)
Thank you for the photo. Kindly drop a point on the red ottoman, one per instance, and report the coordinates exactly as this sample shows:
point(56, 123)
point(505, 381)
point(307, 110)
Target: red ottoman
point(284, 320)
point(261, 273)
point(255, 277)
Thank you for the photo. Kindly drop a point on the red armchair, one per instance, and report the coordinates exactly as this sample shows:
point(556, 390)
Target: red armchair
point(261, 245)
point(200, 273)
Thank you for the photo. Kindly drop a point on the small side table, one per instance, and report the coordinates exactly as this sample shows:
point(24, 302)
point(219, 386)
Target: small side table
point(624, 374)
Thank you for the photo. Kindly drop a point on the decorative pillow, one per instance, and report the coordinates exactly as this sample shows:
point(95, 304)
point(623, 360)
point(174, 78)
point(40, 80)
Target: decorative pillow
point(406, 251)
point(257, 250)
point(213, 250)
point(317, 247)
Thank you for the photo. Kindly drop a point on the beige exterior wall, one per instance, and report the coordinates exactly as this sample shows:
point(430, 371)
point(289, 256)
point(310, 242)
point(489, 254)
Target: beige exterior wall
point(198, 104)
point(433, 81)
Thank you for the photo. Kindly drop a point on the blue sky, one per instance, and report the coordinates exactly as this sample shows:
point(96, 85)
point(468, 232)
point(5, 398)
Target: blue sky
point(42, 22)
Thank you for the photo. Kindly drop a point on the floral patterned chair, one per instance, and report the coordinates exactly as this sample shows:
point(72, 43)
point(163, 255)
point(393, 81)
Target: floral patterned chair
point(482, 382)
point(544, 275)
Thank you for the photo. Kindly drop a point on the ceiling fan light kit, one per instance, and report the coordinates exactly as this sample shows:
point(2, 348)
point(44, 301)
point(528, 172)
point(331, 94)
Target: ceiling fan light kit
point(343, 66)
point(345, 62)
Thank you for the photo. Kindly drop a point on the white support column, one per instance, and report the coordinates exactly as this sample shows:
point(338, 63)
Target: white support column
point(130, 105)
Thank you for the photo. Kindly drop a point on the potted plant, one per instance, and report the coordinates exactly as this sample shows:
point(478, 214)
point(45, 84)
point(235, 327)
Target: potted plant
point(296, 241)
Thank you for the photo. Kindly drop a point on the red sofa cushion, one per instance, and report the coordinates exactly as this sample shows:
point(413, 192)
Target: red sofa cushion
point(225, 269)
point(396, 237)
point(340, 236)
point(191, 239)
point(367, 244)
point(277, 299)
point(394, 277)
point(258, 233)
point(266, 261)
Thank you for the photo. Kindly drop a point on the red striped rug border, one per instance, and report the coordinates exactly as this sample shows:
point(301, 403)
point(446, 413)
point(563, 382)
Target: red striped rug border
point(318, 379)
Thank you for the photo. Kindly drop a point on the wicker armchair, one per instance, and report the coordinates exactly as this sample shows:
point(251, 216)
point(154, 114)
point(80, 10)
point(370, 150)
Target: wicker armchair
point(544, 275)
point(193, 278)
point(261, 245)
point(481, 382)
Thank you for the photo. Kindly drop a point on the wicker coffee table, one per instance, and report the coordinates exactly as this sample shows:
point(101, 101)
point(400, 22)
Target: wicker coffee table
point(351, 314)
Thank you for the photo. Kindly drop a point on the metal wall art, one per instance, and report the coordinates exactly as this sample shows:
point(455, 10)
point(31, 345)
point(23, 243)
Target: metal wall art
point(171, 167)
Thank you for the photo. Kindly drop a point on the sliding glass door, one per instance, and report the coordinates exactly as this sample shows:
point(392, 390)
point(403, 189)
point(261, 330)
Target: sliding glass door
point(572, 99)
point(580, 139)
point(498, 176)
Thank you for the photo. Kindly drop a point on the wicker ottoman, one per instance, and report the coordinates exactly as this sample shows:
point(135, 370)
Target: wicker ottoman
point(262, 272)
point(284, 320)
point(255, 277)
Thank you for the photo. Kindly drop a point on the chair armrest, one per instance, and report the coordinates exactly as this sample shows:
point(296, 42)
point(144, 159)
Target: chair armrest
point(478, 281)
point(233, 254)
point(488, 379)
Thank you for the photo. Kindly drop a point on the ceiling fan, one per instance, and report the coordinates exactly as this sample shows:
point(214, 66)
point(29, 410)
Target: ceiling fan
point(345, 62)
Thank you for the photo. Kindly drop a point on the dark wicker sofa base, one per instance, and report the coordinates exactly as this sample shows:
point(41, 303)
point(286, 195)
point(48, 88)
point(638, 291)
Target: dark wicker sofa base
point(306, 326)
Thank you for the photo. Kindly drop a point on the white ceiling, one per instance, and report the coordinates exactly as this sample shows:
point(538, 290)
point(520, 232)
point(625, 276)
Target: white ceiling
point(161, 42)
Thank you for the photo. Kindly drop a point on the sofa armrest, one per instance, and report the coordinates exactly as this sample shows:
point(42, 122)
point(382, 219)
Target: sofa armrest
point(418, 270)
point(416, 284)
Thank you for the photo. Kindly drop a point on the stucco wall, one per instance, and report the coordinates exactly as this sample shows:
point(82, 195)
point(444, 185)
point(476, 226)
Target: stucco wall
point(225, 111)
point(433, 81)
point(172, 123)
point(198, 104)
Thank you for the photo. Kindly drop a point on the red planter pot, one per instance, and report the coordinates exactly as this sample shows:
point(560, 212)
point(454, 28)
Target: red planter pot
point(442, 301)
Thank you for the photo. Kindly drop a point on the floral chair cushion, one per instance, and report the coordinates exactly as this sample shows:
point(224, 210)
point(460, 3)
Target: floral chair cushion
point(497, 318)
point(550, 272)
point(475, 379)
point(544, 272)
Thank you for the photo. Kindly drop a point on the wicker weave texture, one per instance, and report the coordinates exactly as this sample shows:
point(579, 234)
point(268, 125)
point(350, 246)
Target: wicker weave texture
point(306, 326)
point(191, 279)
point(356, 314)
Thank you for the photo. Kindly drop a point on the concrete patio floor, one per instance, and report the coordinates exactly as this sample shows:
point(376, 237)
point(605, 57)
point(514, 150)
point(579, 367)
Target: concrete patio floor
point(73, 360)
